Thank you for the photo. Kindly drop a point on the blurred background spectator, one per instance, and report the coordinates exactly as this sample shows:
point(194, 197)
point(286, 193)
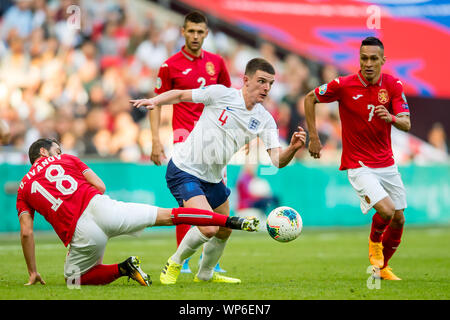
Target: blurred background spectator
point(437, 137)
point(254, 192)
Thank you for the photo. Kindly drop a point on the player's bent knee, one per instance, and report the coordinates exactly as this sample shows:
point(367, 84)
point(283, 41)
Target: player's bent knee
point(385, 208)
point(209, 231)
point(388, 214)
point(399, 219)
point(224, 233)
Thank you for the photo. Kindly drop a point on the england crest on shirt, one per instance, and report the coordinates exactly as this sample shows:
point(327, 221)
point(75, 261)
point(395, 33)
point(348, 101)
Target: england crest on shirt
point(253, 124)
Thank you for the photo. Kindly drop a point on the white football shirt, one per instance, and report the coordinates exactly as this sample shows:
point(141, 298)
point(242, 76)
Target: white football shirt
point(223, 128)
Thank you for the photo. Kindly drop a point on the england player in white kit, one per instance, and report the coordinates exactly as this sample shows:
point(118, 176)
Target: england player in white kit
point(224, 127)
point(231, 118)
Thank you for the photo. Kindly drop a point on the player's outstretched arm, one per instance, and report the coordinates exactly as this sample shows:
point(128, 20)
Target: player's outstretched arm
point(93, 179)
point(166, 98)
point(281, 157)
point(310, 114)
point(28, 248)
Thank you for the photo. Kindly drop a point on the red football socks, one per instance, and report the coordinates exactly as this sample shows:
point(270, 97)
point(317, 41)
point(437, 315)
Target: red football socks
point(181, 230)
point(198, 217)
point(378, 227)
point(391, 241)
point(101, 274)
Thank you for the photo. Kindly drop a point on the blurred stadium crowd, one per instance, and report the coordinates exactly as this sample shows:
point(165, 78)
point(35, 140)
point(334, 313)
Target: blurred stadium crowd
point(74, 84)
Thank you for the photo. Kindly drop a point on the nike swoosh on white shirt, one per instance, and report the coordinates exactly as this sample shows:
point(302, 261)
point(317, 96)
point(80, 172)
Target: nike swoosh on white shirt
point(185, 72)
point(357, 97)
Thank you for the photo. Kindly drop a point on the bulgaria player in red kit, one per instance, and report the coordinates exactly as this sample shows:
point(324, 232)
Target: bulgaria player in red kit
point(190, 68)
point(71, 198)
point(370, 103)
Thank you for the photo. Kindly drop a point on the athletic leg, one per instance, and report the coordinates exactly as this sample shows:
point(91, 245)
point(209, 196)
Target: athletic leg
point(102, 274)
point(392, 236)
point(214, 248)
point(83, 263)
point(391, 180)
point(181, 230)
point(103, 219)
point(117, 218)
point(194, 238)
point(380, 221)
point(385, 210)
point(391, 240)
point(393, 184)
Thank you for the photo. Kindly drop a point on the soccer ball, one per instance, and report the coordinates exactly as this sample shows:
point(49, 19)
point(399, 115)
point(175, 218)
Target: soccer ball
point(284, 224)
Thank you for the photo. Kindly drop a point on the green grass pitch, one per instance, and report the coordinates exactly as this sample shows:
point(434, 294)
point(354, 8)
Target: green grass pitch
point(323, 264)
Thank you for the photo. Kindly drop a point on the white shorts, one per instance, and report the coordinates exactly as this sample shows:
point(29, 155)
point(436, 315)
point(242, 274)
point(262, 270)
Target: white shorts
point(374, 184)
point(102, 219)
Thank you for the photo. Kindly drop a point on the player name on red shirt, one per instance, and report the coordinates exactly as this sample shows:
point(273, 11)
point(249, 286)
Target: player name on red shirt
point(184, 71)
point(366, 139)
point(57, 189)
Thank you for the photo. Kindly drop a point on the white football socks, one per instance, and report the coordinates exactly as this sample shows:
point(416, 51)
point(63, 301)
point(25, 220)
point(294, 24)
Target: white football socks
point(189, 245)
point(212, 251)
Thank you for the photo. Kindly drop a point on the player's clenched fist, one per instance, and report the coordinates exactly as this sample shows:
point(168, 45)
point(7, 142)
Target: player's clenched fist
point(314, 147)
point(298, 138)
point(384, 114)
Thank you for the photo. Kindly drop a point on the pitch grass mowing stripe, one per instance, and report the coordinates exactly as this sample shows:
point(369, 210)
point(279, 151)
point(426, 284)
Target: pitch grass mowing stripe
point(320, 264)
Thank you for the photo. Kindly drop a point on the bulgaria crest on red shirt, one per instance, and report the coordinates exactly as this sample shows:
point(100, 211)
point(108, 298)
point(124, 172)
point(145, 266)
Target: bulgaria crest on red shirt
point(210, 68)
point(383, 96)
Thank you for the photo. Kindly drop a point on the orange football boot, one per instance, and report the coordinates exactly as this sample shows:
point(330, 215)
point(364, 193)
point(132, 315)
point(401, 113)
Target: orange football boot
point(387, 274)
point(376, 257)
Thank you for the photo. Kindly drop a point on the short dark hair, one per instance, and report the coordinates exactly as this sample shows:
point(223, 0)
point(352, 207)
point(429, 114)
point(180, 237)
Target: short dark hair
point(35, 148)
point(195, 17)
point(372, 41)
point(258, 64)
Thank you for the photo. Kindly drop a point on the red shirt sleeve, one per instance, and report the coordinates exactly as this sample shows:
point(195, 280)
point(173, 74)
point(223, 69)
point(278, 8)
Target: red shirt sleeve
point(399, 102)
point(328, 92)
point(22, 206)
point(163, 81)
point(224, 76)
point(80, 164)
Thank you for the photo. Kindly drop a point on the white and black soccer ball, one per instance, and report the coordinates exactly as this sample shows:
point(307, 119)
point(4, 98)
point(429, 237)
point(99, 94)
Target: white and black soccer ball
point(284, 224)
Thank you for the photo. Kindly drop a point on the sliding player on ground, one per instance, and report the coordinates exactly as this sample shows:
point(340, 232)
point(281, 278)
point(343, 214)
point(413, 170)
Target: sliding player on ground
point(71, 198)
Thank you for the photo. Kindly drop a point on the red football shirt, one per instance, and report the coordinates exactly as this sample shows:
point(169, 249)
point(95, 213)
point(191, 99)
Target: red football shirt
point(366, 139)
point(57, 189)
point(185, 71)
